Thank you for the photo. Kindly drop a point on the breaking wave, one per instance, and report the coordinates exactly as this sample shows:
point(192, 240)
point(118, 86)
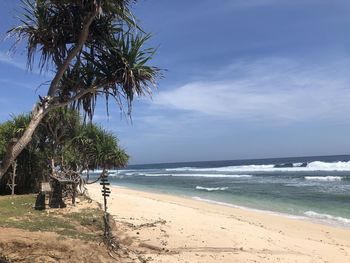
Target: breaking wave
point(217, 175)
point(129, 174)
point(324, 178)
point(292, 167)
point(316, 215)
point(211, 188)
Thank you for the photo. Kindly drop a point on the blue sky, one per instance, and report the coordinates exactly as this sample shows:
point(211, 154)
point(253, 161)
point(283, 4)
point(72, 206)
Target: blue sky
point(244, 79)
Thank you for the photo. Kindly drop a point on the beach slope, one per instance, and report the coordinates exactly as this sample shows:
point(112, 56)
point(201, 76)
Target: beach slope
point(167, 228)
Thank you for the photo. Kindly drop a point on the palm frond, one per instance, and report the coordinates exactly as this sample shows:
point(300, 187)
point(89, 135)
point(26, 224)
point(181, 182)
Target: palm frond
point(114, 58)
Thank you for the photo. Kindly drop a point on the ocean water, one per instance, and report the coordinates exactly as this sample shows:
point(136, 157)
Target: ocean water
point(317, 188)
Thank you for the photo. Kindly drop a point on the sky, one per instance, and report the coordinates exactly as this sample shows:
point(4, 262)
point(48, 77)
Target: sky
point(242, 79)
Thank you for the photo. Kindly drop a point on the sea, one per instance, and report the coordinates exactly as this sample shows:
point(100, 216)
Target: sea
point(315, 188)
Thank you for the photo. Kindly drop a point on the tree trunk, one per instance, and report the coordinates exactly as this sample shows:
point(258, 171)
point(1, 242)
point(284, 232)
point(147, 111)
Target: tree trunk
point(53, 167)
point(14, 150)
point(13, 183)
point(38, 114)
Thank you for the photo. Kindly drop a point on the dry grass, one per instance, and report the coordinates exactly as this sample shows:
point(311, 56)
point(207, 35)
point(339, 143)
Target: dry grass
point(18, 212)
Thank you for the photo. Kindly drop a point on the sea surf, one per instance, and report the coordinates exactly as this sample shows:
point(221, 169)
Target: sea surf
point(317, 187)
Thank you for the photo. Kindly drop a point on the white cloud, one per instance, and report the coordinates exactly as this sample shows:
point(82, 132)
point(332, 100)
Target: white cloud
point(7, 59)
point(270, 89)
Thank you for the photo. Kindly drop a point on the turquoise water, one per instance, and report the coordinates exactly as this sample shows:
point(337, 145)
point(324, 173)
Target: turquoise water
point(311, 187)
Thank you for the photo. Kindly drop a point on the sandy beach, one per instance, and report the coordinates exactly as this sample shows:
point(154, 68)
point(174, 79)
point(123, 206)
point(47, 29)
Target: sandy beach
point(174, 229)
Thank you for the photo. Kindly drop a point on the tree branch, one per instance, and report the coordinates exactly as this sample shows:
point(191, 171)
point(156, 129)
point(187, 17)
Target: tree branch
point(74, 98)
point(38, 114)
point(82, 39)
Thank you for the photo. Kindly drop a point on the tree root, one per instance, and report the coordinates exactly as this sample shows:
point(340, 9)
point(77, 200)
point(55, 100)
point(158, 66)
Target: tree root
point(109, 239)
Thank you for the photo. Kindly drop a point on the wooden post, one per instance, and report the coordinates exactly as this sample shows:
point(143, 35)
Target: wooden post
point(105, 193)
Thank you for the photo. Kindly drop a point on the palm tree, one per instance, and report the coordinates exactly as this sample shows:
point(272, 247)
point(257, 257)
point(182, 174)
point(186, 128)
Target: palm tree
point(96, 49)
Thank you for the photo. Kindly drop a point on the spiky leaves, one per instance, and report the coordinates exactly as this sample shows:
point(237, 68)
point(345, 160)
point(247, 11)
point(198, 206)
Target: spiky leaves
point(52, 27)
point(97, 147)
point(93, 48)
point(110, 59)
point(120, 72)
point(75, 144)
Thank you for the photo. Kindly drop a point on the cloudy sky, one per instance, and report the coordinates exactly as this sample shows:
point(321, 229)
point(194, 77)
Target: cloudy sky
point(245, 79)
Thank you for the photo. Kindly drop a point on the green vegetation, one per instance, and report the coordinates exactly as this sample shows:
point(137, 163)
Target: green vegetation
point(95, 49)
point(18, 212)
point(74, 146)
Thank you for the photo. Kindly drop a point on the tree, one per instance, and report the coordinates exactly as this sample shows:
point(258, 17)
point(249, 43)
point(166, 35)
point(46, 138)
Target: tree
point(61, 141)
point(95, 147)
point(55, 132)
point(31, 165)
point(96, 49)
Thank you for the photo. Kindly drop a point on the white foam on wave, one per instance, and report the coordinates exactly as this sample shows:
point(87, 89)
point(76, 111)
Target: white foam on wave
point(312, 166)
point(316, 215)
point(224, 169)
point(323, 178)
point(203, 175)
point(297, 164)
point(308, 215)
point(134, 174)
point(99, 171)
point(336, 166)
point(211, 188)
point(121, 175)
point(183, 175)
point(180, 169)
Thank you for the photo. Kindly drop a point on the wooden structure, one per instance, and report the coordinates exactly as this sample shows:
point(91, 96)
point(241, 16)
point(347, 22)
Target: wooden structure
point(109, 238)
point(105, 190)
point(43, 198)
point(61, 186)
point(105, 193)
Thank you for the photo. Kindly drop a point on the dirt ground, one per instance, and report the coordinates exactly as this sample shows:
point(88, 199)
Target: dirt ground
point(24, 246)
point(19, 245)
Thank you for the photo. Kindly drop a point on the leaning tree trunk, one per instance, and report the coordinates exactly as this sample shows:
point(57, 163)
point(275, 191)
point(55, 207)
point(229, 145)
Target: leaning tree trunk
point(47, 104)
point(14, 150)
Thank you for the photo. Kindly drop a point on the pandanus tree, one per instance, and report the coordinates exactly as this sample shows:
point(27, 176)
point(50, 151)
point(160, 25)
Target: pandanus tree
point(30, 166)
point(64, 142)
point(55, 132)
point(94, 47)
point(93, 147)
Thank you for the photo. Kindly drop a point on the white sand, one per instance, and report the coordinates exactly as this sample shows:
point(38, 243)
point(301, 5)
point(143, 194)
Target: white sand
point(196, 231)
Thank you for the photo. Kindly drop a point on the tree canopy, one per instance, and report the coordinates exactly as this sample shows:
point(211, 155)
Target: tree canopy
point(62, 140)
point(95, 49)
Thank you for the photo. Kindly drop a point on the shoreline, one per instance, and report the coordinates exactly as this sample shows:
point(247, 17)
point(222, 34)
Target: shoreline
point(197, 231)
point(329, 222)
point(335, 221)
